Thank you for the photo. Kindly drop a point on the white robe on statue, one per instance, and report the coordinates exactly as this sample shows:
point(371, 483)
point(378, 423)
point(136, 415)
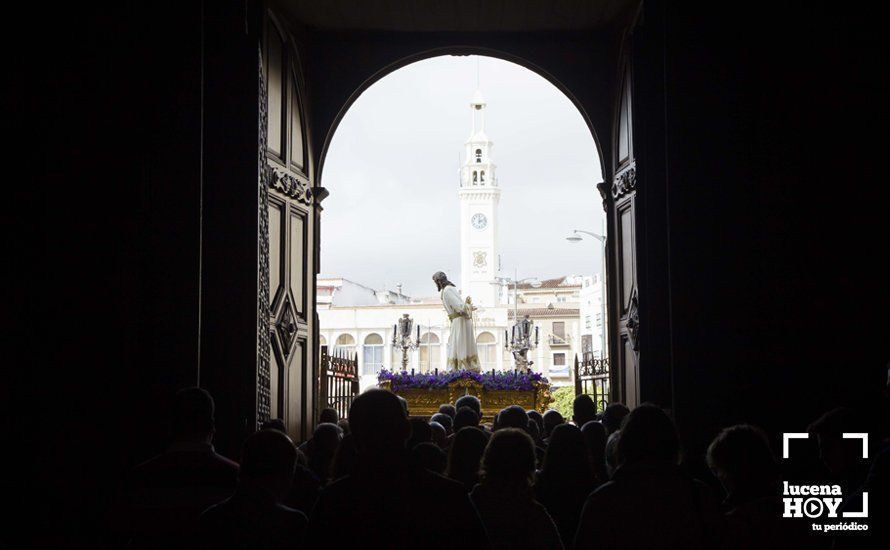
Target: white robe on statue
point(462, 340)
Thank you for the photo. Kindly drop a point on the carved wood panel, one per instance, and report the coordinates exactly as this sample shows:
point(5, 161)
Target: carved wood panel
point(619, 197)
point(289, 322)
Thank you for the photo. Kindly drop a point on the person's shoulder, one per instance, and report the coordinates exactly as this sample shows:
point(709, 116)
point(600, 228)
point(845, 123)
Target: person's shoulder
point(217, 513)
point(438, 482)
point(291, 515)
point(223, 463)
point(341, 487)
point(605, 491)
point(538, 508)
point(158, 461)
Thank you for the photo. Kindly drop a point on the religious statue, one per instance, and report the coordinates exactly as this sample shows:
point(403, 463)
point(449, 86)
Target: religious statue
point(462, 339)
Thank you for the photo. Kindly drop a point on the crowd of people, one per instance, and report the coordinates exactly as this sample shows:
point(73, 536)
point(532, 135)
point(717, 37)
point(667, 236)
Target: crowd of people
point(385, 479)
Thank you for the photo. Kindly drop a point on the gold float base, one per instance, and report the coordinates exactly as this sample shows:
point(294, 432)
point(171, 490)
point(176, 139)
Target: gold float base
point(426, 402)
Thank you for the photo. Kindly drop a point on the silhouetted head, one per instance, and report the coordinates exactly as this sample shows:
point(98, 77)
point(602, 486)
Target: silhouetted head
point(583, 410)
point(533, 431)
point(268, 459)
point(595, 438)
point(329, 415)
point(440, 437)
point(429, 456)
point(465, 417)
point(274, 424)
point(404, 403)
point(445, 421)
point(345, 458)
point(326, 438)
point(509, 459)
point(647, 433)
point(538, 419)
point(344, 425)
point(302, 459)
point(465, 456)
point(839, 454)
point(552, 419)
point(613, 416)
point(566, 458)
point(420, 432)
point(378, 423)
point(742, 460)
point(612, 452)
point(513, 417)
point(470, 401)
point(192, 415)
point(448, 409)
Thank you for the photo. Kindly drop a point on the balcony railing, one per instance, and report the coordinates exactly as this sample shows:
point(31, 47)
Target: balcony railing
point(557, 340)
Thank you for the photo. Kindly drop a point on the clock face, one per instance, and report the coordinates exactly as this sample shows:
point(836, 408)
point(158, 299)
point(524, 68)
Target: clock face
point(479, 221)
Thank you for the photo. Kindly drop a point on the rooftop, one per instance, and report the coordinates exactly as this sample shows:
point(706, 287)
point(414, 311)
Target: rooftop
point(567, 282)
point(546, 312)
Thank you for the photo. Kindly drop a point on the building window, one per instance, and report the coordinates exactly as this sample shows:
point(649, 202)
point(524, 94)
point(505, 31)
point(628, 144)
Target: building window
point(559, 329)
point(478, 155)
point(486, 348)
point(475, 178)
point(345, 346)
point(587, 321)
point(482, 177)
point(430, 352)
point(559, 367)
point(373, 354)
point(560, 298)
point(599, 319)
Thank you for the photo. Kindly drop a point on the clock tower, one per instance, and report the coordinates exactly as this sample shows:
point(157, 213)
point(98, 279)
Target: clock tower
point(479, 195)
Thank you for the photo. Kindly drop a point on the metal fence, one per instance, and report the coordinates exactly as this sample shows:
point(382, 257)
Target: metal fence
point(592, 378)
point(340, 380)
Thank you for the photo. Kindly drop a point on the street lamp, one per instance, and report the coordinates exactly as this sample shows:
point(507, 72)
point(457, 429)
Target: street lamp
point(576, 237)
point(401, 337)
point(521, 340)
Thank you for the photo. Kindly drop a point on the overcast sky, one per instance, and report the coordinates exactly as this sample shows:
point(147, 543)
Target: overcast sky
point(393, 213)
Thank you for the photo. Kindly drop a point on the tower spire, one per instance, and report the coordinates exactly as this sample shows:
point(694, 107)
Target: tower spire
point(479, 196)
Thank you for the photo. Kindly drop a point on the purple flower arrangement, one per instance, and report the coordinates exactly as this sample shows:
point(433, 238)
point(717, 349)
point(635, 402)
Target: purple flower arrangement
point(491, 380)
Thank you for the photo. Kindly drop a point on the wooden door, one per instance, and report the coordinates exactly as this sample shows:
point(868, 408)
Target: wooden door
point(288, 387)
point(621, 202)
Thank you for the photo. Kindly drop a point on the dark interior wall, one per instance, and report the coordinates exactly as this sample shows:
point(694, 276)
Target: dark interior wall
point(229, 217)
point(340, 65)
point(777, 225)
point(134, 220)
point(105, 324)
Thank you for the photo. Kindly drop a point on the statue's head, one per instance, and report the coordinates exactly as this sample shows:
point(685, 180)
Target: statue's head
point(441, 280)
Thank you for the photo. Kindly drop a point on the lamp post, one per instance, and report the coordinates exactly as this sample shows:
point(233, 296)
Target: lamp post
point(520, 341)
point(401, 337)
point(576, 237)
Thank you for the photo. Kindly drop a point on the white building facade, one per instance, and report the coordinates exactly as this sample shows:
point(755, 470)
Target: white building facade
point(594, 326)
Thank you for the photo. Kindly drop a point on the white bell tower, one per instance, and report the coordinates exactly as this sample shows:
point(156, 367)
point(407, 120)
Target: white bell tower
point(479, 195)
